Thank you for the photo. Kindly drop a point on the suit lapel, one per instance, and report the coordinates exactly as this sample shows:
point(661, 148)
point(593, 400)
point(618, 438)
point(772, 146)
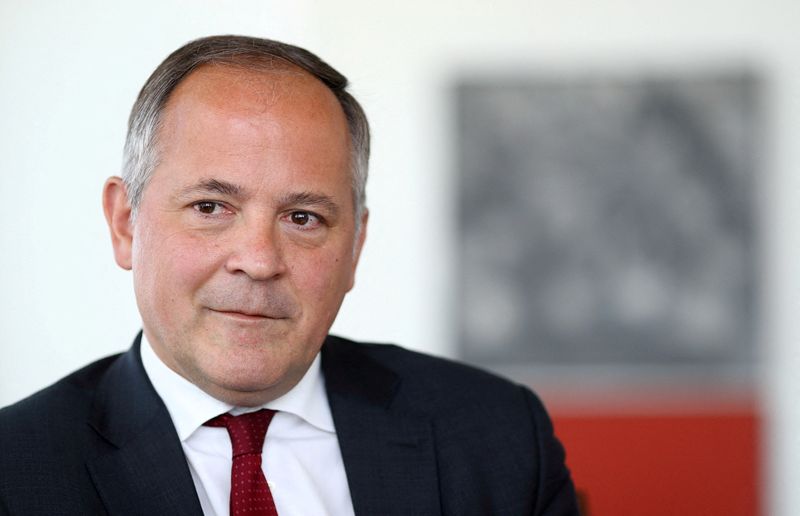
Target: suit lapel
point(145, 471)
point(388, 454)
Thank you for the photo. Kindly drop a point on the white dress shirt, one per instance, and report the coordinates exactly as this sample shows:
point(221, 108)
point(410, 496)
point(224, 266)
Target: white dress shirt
point(301, 458)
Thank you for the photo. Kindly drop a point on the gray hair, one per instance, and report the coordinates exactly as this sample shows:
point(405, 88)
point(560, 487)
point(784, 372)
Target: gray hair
point(141, 145)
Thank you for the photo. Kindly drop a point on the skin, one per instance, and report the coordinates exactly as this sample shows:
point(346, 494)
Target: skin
point(245, 242)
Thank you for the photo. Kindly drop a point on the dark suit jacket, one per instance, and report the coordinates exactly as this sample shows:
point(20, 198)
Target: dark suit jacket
point(418, 435)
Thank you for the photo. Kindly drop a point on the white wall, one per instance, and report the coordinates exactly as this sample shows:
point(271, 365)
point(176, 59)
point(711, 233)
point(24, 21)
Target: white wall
point(69, 72)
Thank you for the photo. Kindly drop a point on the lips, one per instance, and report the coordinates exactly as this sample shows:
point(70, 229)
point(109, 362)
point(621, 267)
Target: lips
point(247, 302)
point(249, 313)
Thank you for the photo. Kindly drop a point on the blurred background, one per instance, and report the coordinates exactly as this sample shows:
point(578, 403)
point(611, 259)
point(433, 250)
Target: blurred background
point(598, 199)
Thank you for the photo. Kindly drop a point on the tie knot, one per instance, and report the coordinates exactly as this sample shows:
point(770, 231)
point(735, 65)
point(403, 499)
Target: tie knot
point(247, 431)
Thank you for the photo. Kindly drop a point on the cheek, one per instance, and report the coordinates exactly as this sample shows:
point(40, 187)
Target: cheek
point(168, 267)
point(324, 276)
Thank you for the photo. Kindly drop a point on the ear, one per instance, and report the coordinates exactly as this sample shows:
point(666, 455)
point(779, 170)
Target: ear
point(118, 216)
point(360, 238)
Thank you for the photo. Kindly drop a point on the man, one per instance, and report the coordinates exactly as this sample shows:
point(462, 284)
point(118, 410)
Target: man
point(241, 216)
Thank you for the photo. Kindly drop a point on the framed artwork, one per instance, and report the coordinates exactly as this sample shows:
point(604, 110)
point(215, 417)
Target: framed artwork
point(608, 220)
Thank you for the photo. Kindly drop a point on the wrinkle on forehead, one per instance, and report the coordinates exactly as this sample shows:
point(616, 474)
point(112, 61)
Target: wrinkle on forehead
point(256, 97)
point(253, 90)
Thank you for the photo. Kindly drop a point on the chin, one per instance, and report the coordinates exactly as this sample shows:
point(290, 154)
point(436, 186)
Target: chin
point(247, 386)
point(246, 399)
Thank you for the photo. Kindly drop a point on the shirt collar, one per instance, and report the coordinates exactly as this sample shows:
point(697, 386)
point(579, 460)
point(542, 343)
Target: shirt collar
point(190, 407)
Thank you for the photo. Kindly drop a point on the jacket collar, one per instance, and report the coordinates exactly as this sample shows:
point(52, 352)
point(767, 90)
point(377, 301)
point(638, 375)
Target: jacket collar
point(146, 471)
point(388, 450)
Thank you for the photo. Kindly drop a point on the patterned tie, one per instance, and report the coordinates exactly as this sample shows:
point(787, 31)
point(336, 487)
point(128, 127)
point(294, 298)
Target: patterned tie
point(250, 495)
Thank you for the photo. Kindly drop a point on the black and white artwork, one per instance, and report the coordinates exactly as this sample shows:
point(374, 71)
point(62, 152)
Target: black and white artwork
point(608, 220)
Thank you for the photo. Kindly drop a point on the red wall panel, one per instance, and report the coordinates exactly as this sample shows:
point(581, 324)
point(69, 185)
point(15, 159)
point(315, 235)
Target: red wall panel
point(650, 464)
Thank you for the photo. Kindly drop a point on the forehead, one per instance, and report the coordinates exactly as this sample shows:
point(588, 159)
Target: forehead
point(259, 119)
point(274, 93)
point(257, 84)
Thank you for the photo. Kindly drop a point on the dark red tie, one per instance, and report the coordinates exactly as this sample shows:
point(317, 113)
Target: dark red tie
point(250, 495)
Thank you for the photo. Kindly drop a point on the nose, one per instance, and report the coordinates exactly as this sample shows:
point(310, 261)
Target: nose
point(256, 251)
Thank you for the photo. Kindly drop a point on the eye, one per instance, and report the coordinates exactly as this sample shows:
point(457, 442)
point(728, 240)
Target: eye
point(304, 219)
point(209, 207)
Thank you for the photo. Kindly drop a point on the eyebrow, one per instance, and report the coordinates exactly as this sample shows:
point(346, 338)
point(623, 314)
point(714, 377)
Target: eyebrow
point(212, 186)
point(317, 200)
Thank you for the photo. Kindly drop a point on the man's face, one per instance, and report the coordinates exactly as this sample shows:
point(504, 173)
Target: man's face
point(245, 242)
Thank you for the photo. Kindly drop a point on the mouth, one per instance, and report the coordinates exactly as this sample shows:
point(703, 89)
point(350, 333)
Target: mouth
point(247, 316)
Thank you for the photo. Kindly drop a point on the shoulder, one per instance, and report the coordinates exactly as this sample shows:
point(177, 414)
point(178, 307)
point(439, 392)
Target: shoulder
point(493, 437)
point(46, 441)
point(77, 385)
point(53, 412)
point(440, 383)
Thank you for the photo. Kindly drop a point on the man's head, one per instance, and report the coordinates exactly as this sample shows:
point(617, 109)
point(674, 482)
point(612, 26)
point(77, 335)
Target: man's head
point(241, 211)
